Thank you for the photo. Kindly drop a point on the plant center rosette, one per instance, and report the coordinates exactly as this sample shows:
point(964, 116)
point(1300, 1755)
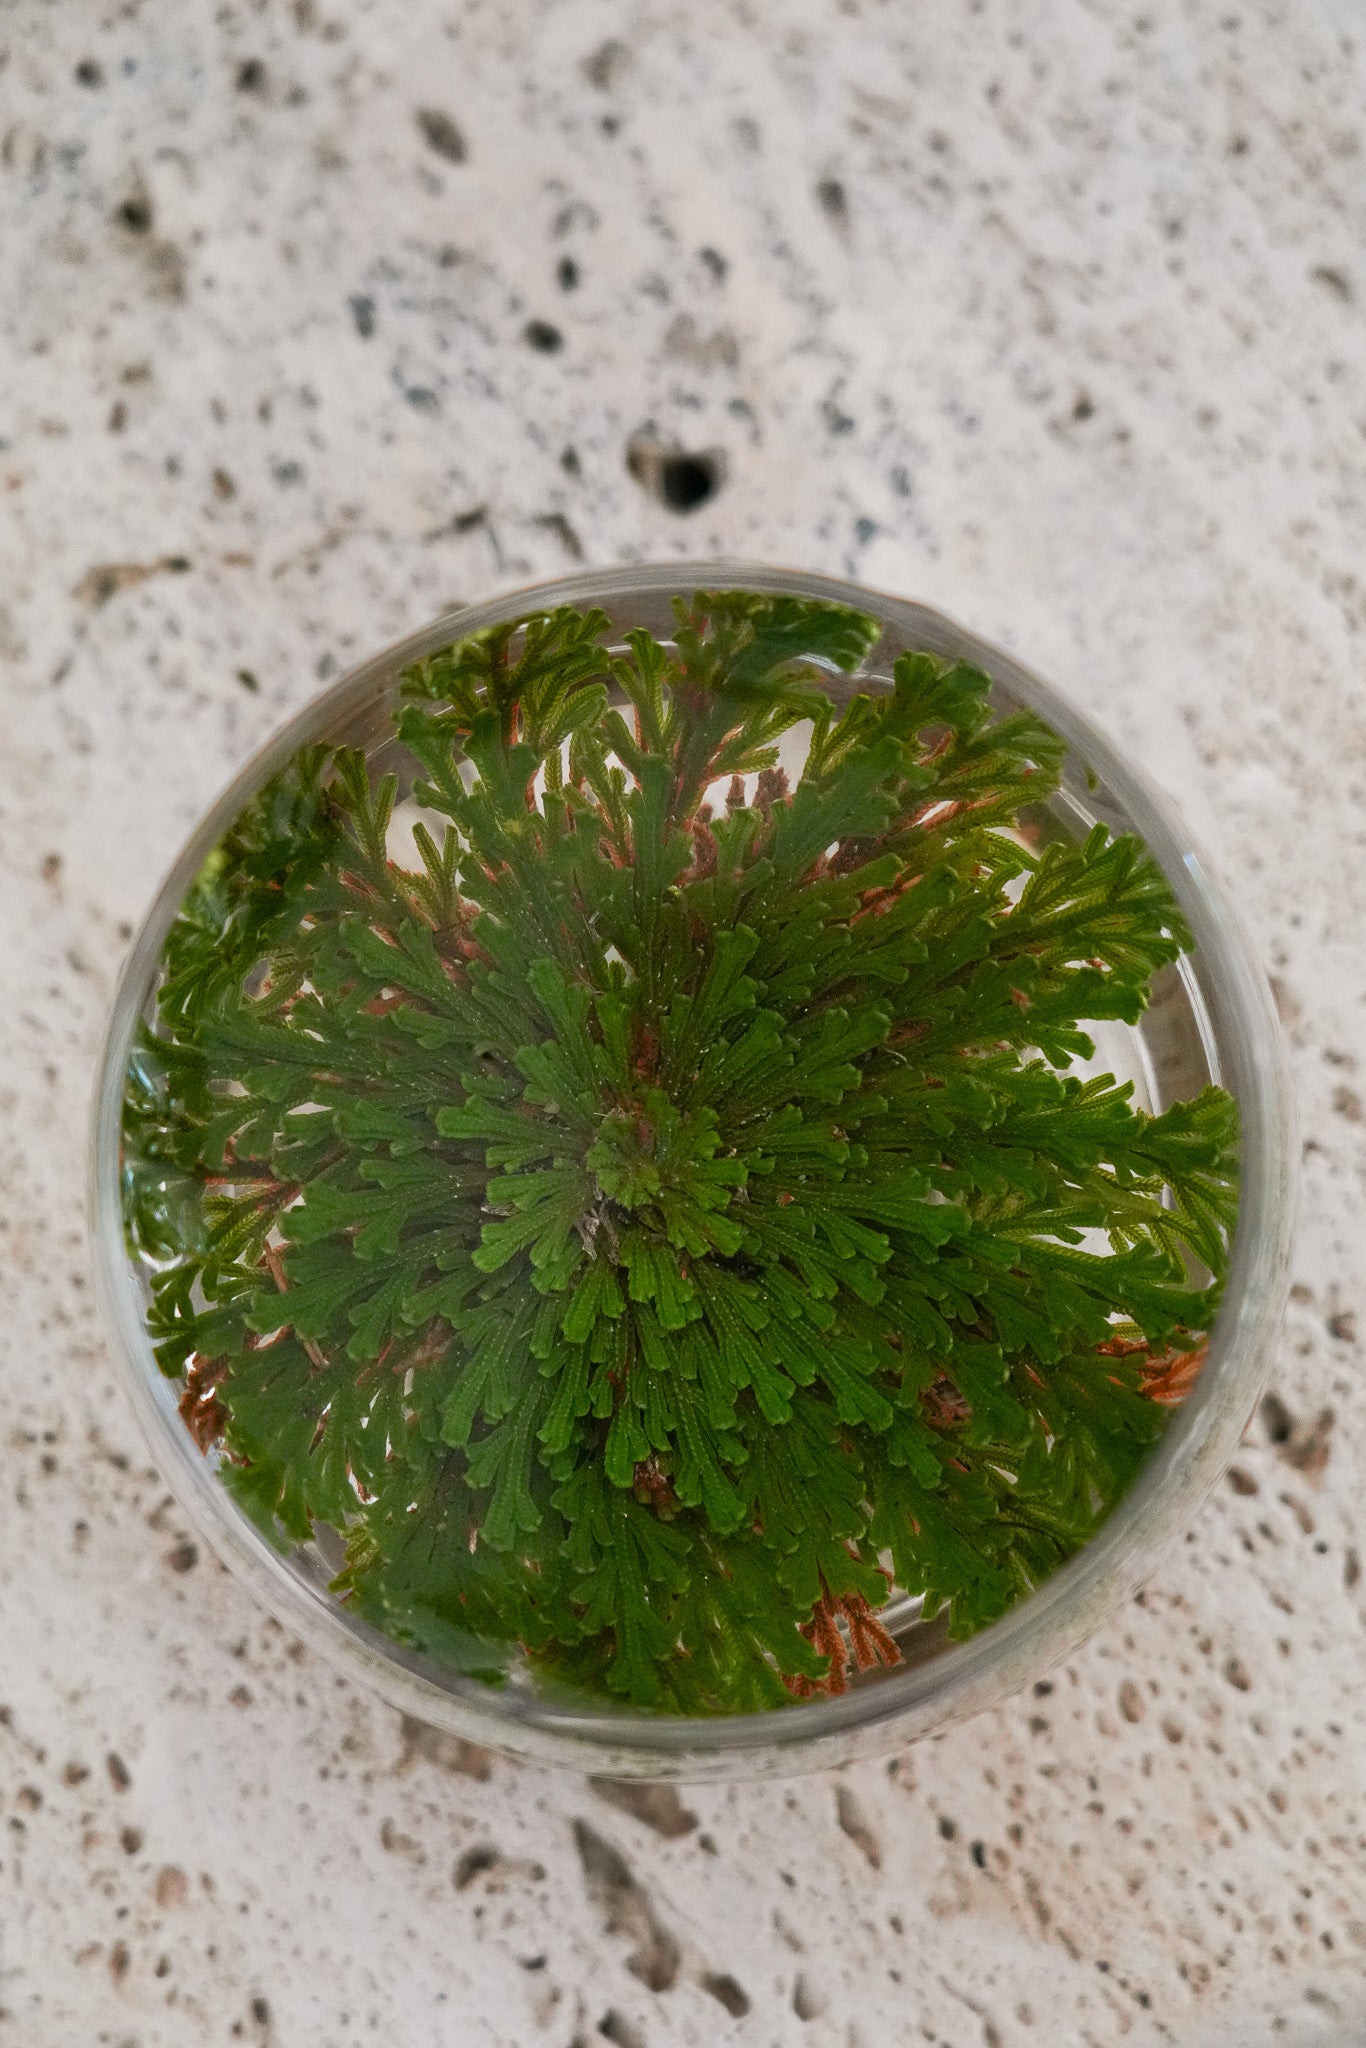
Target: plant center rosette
point(637, 1196)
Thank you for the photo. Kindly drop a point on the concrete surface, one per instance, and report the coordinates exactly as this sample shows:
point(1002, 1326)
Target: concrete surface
point(1047, 311)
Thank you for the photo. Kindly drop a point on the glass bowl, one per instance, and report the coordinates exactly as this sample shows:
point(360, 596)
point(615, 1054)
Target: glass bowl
point(1210, 1020)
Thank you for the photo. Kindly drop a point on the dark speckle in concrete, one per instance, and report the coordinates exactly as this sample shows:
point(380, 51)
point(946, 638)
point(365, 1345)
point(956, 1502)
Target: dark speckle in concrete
point(441, 134)
point(545, 338)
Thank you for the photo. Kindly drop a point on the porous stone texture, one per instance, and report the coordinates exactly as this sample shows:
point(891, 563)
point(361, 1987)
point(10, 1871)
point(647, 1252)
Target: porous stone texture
point(317, 317)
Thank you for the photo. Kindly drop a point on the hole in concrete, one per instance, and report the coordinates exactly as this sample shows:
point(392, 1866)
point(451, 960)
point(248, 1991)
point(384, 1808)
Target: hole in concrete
point(681, 479)
point(440, 133)
point(727, 1992)
point(135, 213)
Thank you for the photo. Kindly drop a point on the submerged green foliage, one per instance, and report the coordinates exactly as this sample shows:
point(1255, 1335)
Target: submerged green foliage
point(641, 1220)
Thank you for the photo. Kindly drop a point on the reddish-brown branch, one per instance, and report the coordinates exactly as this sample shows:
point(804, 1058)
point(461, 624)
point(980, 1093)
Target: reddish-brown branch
point(870, 1642)
point(772, 788)
point(934, 816)
point(873, 1643)
point(653, 1485)
point(357, 885)
point(262, 1188)
point(426, 1351)
point(644, 1050)
point(704, 855)
point(1166, 1379)
point(200, 1408)
point(275, 1266)
point(944, 1406)
point(877, 902)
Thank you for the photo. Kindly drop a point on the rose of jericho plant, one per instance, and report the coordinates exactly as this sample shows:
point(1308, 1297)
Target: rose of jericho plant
point(653, 1216)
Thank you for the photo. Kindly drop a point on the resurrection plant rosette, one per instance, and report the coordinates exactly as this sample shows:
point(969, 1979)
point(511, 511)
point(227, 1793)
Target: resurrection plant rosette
point(642, 1204)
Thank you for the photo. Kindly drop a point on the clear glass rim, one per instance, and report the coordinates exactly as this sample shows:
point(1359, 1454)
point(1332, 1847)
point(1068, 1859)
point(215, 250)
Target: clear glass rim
point(914, 1700)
